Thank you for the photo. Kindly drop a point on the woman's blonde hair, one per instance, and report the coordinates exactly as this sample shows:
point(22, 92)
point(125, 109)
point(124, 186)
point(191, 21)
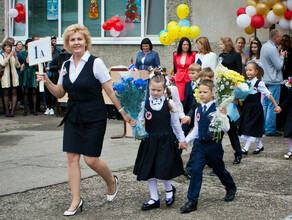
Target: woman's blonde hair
point(72, 29)
point(205, 43)
point(228, 44)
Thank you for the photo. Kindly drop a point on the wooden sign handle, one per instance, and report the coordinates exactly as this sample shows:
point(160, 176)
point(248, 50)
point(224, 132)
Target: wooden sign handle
point(41, 83)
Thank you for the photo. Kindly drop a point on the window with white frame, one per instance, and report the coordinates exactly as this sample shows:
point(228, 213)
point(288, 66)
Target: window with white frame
point(141, 18)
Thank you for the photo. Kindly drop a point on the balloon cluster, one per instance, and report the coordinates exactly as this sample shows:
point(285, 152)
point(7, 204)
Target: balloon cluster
point(263, 14)
point(114, 25)
point(18, 13)
point(178, 30)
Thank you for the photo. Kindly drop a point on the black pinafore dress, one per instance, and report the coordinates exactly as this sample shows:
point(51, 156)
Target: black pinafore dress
point(252, 117)
point(85, 119)
point(158, 155)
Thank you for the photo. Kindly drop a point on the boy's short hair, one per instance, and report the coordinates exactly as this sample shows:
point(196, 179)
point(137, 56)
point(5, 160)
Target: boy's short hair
point(207, 72)
point(195, 67)
point(207, 82)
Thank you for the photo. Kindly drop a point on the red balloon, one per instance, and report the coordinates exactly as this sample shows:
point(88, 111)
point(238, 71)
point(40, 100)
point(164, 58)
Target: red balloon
point(240, 11)
point(257, 21)
point(17, 19)
point(115, 19)
point(288, 15)
point(21, 14)
point(106, 27)
point(119, 26)
point(19, 7)
point(110, 23)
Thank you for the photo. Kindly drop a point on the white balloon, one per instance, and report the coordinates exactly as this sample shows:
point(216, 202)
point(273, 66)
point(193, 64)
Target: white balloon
point(289, 5)
point(243, 20)
point(272, 18)
point(13, 13)
point(267, 24)
point(114, 33)
point(251, 11)
point(284, 24)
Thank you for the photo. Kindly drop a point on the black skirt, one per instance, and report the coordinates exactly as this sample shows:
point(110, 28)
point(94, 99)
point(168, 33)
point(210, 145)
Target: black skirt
point(86, 138)
point(252, 120)
point(158, 157)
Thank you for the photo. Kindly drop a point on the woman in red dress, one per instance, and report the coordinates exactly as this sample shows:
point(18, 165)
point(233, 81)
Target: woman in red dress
point(182, 59)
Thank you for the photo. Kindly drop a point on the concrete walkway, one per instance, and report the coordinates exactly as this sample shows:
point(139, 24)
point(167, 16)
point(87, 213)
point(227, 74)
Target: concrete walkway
point(33, 182)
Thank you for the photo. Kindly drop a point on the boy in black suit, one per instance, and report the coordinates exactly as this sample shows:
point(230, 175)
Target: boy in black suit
point(194, 70)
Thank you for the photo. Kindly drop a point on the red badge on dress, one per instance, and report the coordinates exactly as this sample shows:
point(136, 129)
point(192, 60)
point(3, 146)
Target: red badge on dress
point(148, 115)
point(198, 117)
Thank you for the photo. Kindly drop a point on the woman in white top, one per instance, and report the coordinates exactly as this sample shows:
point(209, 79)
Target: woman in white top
point(205, 54)
point(82, 77)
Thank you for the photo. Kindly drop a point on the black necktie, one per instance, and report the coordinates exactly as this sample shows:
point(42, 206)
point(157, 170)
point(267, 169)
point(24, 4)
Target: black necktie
point(204, 109)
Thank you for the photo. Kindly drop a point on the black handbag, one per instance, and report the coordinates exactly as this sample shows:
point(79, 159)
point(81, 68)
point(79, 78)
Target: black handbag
point(2, 68)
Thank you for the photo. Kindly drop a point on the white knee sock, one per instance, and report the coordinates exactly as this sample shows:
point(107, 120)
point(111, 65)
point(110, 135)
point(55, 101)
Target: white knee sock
point(152, 184)
point(247, 144)
point(259, 143)
point(168, 187)
point(290, 144)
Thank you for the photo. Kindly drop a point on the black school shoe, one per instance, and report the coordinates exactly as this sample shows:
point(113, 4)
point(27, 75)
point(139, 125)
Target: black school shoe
point(188, 207)
point(230, 194)
point(237, 160)
point(257, 151)
point(146, 206)
point(274, 134)
point(169, 202)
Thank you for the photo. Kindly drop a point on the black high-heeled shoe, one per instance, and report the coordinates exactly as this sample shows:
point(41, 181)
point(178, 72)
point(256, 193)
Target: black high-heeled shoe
point(80, 205)
point(169, 202)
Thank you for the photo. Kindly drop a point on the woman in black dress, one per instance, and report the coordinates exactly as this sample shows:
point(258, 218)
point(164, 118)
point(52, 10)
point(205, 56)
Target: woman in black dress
point(85, 122)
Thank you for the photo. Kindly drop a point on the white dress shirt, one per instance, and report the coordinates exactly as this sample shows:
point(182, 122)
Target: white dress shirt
point(208, 60)
point(178, 104)
point(99, 69)
point(174, 116)
point(195, 132)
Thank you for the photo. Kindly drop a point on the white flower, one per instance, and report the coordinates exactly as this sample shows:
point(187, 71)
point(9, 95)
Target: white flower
point(222, 87)
point(227, 83)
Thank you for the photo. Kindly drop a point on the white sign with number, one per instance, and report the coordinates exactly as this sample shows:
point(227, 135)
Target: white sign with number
point(40, 51)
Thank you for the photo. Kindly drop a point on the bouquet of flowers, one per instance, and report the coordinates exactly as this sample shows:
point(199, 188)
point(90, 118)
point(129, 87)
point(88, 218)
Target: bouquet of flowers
point(225, 82)
point(131, 93)
point(288, 83)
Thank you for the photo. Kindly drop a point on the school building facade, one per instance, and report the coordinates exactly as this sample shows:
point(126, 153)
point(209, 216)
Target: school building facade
point(50, 18)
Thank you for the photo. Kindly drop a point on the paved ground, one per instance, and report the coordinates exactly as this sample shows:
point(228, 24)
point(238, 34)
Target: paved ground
point(33, 183)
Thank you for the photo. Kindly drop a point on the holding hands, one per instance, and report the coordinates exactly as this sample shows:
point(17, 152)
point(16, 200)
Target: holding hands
point(277, 109)
point(183, 145)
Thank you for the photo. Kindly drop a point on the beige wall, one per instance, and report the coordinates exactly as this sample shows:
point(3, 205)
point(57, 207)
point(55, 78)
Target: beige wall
point(215, 18)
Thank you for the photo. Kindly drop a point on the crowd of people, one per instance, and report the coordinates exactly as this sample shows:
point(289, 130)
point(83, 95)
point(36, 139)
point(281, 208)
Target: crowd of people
point(19, 83)
point(173, 116)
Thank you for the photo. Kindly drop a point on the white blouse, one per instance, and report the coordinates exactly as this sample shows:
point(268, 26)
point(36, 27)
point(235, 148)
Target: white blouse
point(156, 104)
point(178, 104)
point(208, 60)
point(261, 87)
point(99, 69)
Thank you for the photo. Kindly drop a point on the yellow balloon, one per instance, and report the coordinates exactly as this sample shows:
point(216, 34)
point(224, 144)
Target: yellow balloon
point(279, 9)
point(173, 29)
point(195, 32)
point(252, 3)
point(165, 38)
point(263, 8)
point(184, 32)
point(249, 30)
point(182, 11)
point(272, 2)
